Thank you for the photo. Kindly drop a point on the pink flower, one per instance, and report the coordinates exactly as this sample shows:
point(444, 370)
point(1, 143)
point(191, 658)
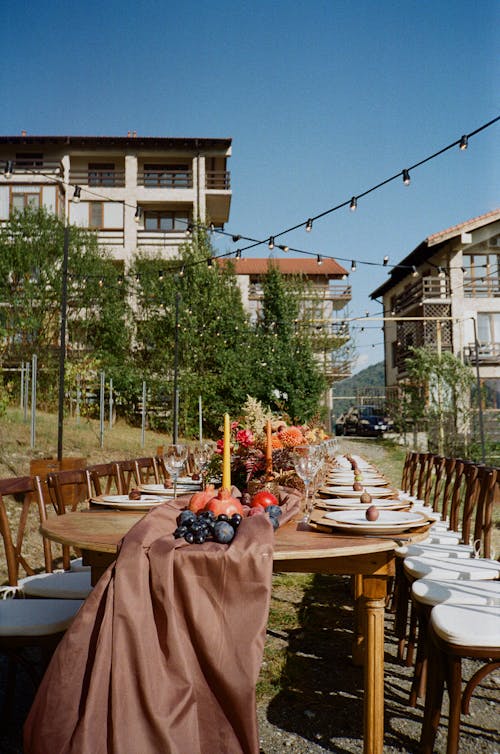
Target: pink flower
point(245, 437)
point(234, 425)
point(220, 447)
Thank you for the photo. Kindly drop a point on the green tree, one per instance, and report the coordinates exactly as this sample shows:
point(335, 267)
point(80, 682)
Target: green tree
point(31, 255)
point(214, 337)
point(289, 367)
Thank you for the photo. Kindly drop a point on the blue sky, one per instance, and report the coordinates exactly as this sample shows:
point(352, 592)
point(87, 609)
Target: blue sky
point(323, 99)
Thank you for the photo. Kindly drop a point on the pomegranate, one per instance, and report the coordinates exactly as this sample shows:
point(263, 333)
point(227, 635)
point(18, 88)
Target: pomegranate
point(372, 513)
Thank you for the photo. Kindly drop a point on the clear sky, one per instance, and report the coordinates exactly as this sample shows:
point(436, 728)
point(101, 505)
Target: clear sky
point(323, 99)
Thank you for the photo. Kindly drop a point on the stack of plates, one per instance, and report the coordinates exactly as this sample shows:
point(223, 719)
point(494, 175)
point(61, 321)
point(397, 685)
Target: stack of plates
point(388, 522)
point(123, 502)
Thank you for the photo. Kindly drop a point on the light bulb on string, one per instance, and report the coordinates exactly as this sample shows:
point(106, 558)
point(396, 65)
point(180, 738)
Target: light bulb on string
point(9, 169)
point(353, 265)
point(319, 259)
point(238, 254)
point(464, 143)
point(309, 225)
point(284, 248)
point(76, 194)
point(385, 261)
point(138, 214)
point(271, 242)
point(414, 272)
point(354, 204)
point(406, 177)
point(236, 238)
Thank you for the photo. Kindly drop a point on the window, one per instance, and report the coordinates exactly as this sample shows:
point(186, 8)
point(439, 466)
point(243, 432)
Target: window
point(481, 275)
point(95, 215)
point(167, 176)
point(167, 221)
point(488, 327)
point(22, 199)
point(101, 174)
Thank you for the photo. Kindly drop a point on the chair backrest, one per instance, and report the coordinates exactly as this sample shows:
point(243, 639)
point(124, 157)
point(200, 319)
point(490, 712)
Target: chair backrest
point(412, 472)
point(483, 525)
point(105, 479)
point(127, 473)
point(443, 504)
point(146, 470)
point(439, 464)
point(21, 511)
point(75, 480)
point(424, 467)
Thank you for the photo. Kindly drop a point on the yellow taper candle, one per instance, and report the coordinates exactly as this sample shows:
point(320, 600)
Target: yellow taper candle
point(226, 455)
point(269, 448)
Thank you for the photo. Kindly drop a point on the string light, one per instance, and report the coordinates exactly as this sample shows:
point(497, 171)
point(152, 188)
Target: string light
point(309, 225)
point(353, 265)
point(76, 194)
point(271, 242)
point(284, 248)
point(385, 261)
point(138, 214)
point(238, 254)
point(406, 177)
point(236, 238)
point(354, 204)
point(160, 275)
point(319, 259)
point(210, 263)
point(414, 271)
point(464, 143)
point(8, 170)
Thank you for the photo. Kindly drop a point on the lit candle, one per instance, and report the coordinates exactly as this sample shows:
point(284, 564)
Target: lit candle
point(269, 448)
point(226, 455)
point(200, 418)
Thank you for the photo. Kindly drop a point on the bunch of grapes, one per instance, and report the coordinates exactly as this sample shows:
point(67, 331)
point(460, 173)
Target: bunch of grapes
point(197, 528)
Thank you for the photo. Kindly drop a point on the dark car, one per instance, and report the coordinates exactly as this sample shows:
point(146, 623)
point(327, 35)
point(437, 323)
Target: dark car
point(366, 421)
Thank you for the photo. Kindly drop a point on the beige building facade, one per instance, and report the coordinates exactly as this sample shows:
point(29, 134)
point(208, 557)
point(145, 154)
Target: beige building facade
point(137, 193)
point(445, 295)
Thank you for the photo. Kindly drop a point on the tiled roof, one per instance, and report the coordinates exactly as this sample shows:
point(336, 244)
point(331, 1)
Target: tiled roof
point(144, 142)
point(289, 266)
point(476, 222)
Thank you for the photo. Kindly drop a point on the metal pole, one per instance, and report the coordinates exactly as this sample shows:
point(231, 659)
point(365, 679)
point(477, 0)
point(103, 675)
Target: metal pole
point(175, 433)
point(78, 398)
point(111, 403)
point(101, 410)
point(21, 401)
point(33, 398)
point(143, 422)
point(26, 391)
point(200, 418)
point(478, 388)
point(62, 343)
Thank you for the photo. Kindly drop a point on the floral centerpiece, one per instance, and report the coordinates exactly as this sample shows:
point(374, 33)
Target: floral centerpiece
point(248, 448)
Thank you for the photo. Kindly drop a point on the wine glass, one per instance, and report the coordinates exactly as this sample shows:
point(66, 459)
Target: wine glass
point(175, 456)
point(202, 453)
point(306, 464)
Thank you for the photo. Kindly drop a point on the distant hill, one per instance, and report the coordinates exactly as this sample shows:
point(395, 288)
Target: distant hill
point(371, 377)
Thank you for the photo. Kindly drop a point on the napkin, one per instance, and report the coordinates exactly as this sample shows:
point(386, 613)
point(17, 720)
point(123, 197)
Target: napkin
point(165, 653)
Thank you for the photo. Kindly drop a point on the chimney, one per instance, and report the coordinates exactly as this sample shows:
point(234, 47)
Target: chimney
point(128, 134)
point(23, 133)
point(134, 134)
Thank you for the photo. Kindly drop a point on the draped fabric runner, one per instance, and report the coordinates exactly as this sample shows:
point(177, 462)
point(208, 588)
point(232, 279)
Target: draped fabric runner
point(165, 653)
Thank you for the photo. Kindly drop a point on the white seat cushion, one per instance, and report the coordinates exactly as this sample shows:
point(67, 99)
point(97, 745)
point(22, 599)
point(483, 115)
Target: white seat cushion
point(71, 585)
point(442, 537)
point(452, 569)
point(429, 592)
point(467, 625)
point(435, 551)
point(77, 565)
point(36, 617)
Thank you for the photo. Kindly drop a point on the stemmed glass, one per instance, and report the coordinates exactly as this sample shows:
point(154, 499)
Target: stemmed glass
point(175, 456)
point(202, 453)
point(306, 463)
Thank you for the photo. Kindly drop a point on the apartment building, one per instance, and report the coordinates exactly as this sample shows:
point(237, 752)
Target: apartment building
point(454, 275)
point(138, 193)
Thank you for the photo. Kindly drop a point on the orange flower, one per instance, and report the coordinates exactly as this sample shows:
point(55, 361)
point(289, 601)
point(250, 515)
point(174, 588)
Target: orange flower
point(291, 436)
point(276, 442)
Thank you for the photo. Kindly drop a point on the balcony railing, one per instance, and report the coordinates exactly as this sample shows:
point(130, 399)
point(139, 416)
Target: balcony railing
point(488, 287)
point(218, 180)
point(175, 179)
point(102, 178)
point(36, 167)
point(487, 353)
point(426, 288)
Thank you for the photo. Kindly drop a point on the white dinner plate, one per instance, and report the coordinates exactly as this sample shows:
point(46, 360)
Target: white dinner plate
point(337, 503)
point(123, 502)
point(341, 491)
point(160, 489)
point(375, 481)
point(389, 522)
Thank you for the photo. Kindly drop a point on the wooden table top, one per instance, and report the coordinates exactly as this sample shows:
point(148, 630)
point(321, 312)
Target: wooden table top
point(101, 531)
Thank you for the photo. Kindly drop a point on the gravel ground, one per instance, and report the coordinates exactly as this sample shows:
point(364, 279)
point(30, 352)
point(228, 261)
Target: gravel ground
point(318, 708)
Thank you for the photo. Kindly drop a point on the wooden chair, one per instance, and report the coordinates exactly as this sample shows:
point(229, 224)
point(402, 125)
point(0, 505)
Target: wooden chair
point(127, 473)
point(105, 479)
point(456, 632)
point(146, 470)
point(59, 484)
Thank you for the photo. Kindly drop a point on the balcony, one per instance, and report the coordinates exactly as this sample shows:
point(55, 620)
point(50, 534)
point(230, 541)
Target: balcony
point(487, 353)
point(159, 239)
point(102, 178)
point(30, 168)
point(487, 287)
point(337, 295)
point(218, 180)
point(165, 179)
point(424, 290)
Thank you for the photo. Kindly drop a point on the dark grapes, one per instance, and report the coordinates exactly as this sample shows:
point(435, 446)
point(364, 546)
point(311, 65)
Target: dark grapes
point(224, 532)
point(197, 528)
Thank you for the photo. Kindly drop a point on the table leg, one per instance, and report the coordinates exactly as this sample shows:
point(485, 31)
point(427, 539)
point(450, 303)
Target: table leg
point(358, 641)
point(373, 607)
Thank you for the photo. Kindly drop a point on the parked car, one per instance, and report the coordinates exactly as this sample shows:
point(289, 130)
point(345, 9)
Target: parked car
point(366, 421)
point(339, 425)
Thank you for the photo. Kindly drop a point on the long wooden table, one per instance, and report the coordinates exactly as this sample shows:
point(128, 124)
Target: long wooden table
point(297, 549)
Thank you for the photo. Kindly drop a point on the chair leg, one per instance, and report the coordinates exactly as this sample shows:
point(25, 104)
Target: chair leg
point(401, 614)
point(412, 637)
point(433, 700)
point(419, 676)
point(454, 680)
